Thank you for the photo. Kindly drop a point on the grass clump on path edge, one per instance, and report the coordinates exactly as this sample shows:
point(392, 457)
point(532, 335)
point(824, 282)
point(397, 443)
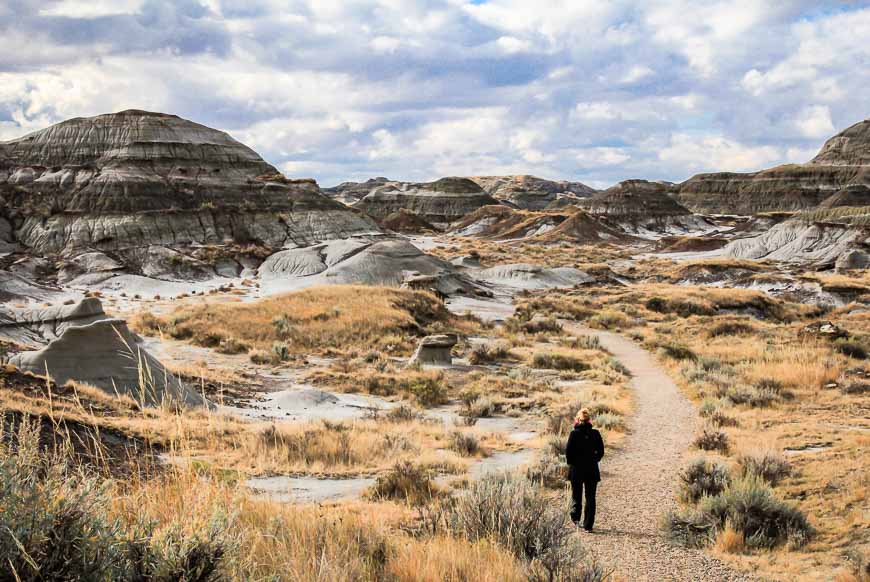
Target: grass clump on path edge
point(749, 507)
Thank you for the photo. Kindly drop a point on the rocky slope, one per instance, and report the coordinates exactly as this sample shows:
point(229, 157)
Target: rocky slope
point(439, 203)
point(844, 160)
point(530, 192)
point(124, 180)
point(646, 209)
point(349, 193)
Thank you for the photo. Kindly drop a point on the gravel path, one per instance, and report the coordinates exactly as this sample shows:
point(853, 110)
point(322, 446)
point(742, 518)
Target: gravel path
point(637, 485)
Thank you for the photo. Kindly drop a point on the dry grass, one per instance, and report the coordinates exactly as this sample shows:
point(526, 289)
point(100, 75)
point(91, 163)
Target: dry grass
point(333, 317)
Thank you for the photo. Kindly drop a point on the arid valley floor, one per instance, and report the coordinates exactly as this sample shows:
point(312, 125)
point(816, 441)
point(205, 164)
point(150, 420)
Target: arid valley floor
point(211, 371)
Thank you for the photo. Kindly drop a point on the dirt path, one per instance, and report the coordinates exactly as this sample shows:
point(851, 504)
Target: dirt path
point(637, 485)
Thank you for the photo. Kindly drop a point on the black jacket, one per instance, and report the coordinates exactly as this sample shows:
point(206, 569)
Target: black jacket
point(585, 448)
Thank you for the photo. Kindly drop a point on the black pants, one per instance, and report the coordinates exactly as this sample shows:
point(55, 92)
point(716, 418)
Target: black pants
point(577, 487)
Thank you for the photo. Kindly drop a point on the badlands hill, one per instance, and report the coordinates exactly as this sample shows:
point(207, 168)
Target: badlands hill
point(439, 203)
point(349, 193)
point(844, 160)
point(530, 192)
point(138, 178)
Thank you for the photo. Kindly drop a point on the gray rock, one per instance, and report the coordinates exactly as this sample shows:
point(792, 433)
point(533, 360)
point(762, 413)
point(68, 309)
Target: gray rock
point(438, 203)
point(87, 264)
point(389, 262)
point(853, 259)
point(530, 192)
point(105, 354)
point(435, 350)
point(38, 326)
point(136, 178)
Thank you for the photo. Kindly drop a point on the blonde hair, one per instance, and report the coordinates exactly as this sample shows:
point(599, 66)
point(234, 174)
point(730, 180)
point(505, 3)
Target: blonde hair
point(582, 416)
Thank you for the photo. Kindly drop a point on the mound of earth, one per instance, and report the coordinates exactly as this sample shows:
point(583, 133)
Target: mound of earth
point(104, 354)
point(385, 262)
point(439, 203)
point(844, 160)
point(528, 276)
point(503, 223)
point(407, 222)
point(530, 192)
point(349, 193)
point(133, 179)
point(645, 209)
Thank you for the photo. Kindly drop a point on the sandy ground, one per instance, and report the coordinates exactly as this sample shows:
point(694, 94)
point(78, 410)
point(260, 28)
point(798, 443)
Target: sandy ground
point(637, 486)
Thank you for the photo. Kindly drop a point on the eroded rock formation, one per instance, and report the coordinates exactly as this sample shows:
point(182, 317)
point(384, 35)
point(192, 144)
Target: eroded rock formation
point(844, 160)
point(439, 203)
point(136, 178)
point(530, 192)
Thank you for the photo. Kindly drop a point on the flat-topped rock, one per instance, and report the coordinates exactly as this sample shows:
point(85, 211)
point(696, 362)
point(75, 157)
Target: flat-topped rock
point(435, 350)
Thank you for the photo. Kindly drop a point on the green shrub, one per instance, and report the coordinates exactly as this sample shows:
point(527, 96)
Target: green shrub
point(851, 349)
point(557, 361)
point(731, 328)
point(513, 513)
point(770, 466)
point(404, 482)
point(751, 508)
point(702, 478)
point(486, 353)
point(550, 470)
point(609, 421)
point(677, 352)
point(54, 525)
point(465, 443)
point(711, 438)
point(429, 391)
point(753, 396)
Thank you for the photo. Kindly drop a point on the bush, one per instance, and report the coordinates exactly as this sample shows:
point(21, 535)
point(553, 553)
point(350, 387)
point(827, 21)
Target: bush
point(542, 325)
point(682, 307)
point(712, 438)
point(618, 366)
point(549, 471)
point(753, 396)
point(556, 361)
point(609, 319)
point(511, 512)
point(405, 482)
point(486, 353)
point(770, 466)
point(464, 443)
point(851, 349)
point(677, 352)
point(561, 422)
point(702, 478)
point(731, 328)
point(609, 421)
point(479, 407)
point(54, 525)
point(749, 507)
point(403, 413)
point(588, 342)
point(429, 390)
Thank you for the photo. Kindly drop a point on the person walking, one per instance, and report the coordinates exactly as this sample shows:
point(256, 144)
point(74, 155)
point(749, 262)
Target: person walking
point(585, 448)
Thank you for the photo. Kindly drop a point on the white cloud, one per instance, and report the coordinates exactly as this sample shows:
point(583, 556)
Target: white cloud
point(596, 91)
point(636, 73)
point(601, 156)
point(815, 121)
point(92, 8)
point(714, 152)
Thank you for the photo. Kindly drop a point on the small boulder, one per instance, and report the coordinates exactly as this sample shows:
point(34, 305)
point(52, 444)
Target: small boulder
point(824, 329)
point(434, 350)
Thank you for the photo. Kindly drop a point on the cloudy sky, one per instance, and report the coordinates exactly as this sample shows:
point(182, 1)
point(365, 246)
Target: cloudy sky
point(586, 90)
